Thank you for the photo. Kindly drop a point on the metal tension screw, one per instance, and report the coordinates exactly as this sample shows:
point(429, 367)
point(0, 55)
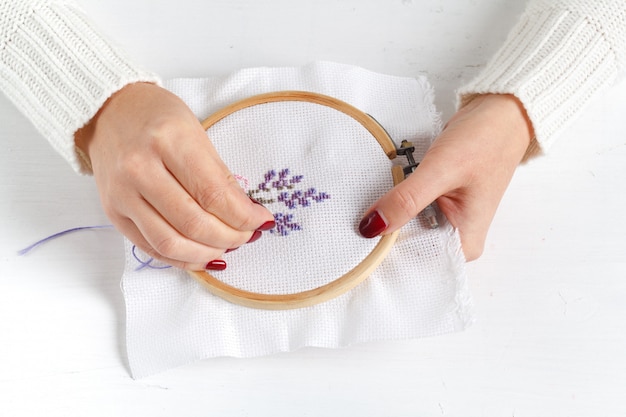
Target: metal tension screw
point(406, 148)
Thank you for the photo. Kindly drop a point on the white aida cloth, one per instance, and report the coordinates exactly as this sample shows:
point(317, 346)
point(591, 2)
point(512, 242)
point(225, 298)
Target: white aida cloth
point(317, 170)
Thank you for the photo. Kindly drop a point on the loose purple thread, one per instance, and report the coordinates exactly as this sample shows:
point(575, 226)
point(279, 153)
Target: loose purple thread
point(59, 234)
point(143, 264)
point(146, 264)
point(284, 183)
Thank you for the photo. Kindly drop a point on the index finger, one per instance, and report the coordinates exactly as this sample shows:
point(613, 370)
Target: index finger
point(198, 168)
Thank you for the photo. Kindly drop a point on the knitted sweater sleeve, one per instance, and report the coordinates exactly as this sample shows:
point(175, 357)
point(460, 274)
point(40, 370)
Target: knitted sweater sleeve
point(558, 57)
point(58, 70)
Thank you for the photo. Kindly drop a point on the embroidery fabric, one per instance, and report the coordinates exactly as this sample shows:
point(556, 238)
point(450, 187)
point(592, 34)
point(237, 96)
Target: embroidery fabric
point(337, 170)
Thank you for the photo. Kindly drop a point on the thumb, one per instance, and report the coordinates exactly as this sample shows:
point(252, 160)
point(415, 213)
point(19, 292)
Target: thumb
point(403, 202)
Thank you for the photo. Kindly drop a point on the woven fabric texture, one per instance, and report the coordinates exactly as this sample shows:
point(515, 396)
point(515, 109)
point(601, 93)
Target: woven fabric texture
point(317, 170)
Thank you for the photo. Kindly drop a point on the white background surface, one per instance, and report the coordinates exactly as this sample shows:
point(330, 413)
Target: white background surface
point(550, 336)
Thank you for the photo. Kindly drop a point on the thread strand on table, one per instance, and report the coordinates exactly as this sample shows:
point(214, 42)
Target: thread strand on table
point(59, 234)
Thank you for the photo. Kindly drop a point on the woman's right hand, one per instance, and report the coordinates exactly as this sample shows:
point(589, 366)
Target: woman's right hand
point(162, 183)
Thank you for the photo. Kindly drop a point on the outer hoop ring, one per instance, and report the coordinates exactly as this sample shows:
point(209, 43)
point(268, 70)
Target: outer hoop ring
point(353, 277)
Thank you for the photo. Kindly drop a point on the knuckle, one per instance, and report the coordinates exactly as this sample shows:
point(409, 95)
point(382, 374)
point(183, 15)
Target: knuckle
point(167, 247)
point(194, 226)
point(211, 198)
point(231, 180)
point(163, 136)
point(117, 218)
point(110, 210)
point(183, 265)
point(405, 201)
point(133, 166)
point(246, 220)
point(166, 133)
point(162, 127)
point(152, 253)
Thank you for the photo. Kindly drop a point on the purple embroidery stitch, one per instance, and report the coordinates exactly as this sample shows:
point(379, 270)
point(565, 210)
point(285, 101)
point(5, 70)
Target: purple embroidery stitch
point(302, 198)
point(279, 187)
point(284, 224)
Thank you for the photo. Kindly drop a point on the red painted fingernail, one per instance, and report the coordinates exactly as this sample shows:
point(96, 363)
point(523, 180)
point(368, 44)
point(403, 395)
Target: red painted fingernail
point(216, 265)
point(231, 249)
point(372, 225)
point(255, 236)
point(268, 225)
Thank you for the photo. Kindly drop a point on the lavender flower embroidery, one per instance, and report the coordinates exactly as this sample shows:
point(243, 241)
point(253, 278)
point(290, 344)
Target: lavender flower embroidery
point(282, 187)
point(284, 224)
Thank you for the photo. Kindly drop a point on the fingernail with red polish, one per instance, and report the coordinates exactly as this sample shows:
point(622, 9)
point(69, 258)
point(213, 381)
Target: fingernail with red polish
point(372, 225)
point(216, 265)
point(231, 249)
point(255, 236)
point(268, 225)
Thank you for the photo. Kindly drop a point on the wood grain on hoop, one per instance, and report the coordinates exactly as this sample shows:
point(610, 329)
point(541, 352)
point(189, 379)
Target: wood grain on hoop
point(366, 120)
point(353, 277)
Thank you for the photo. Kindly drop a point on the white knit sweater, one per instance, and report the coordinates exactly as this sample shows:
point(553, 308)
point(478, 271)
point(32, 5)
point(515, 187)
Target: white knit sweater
point(59, 70)
point(560, 55)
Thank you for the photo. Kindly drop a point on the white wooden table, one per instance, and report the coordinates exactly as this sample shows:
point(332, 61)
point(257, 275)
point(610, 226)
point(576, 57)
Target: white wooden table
point(550, 291)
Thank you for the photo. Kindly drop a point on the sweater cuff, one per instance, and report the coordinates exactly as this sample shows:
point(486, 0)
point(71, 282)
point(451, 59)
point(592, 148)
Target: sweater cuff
point(554, 61)
point(58, 70)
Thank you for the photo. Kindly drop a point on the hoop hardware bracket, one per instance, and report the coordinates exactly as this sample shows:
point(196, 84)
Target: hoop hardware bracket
point(406, 149)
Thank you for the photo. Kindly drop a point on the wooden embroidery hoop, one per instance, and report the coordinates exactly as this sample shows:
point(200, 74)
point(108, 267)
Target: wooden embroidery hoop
point(353, 277)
